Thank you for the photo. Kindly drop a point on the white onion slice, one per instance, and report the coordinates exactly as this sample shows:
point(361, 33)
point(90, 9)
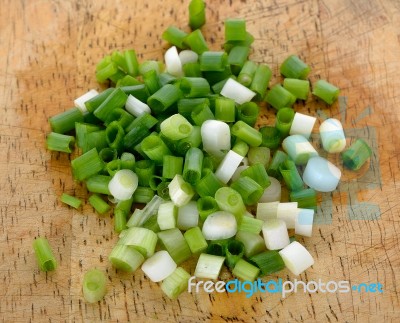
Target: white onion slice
point(332, 136)
point(228, 166)
point(173, 62)
point(321, 175)
point(238, 171)
point(288, 213)
point(304, 222)
point(296, 258)
point(136, 107)
point(188, 216)
point(159, 266)
point(236, 91)
point(273, 192)
point(80, 102)
point(302, 125)
point(275, 234)
point(188, 56)
point(123, 184)
point(216, 137)
point(219, 225)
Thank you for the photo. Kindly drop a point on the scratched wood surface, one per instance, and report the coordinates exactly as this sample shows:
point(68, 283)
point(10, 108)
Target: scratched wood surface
point(48, 51)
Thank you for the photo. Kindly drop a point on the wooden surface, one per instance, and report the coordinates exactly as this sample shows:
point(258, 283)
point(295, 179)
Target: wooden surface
point(48, 51)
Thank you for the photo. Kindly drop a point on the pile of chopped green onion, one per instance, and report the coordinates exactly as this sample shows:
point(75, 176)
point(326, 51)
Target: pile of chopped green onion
point(179, 136)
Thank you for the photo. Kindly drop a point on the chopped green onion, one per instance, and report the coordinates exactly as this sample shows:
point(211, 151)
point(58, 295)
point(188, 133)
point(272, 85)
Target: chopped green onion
point(99, 204)
point(176, 127)
point(94, 285)
point(44, 254)
point(164, 98)
point(261, 80)
point(225, 109)
point(299, 88)
point(278, 97)
point(236, 91)
point(81, 132)
point(230, 200)
point(98, 184)
point(121, 211)
point(291, 175)
point(193, 165)
point(253, 243)
point(208, 185)
point(247, 133)
point(201, 114)
point(143, 195)
point(138, 130)
point(245, 271)
point(206, 206)
point(249, 189)
point(259, 155)
point(139, 91)
point(356, 155)
point(267, 210)
point(65, 121)
point(159, 266)
point(163, 190)
point(275, 234)
point(176, 283)
point(234, 251)
point(59, 142)
point(213, 61)
point(172, 165)
point(123, 184)
point(258, 173)
point(269, 262)
point(155, 148)
point(87, 165)
point(284, 119)
point(93, 103)
point(235, 29)
point(192, 69)
point(247, 73)
point(174, 242)
point(139, 217)
point(197, 13)
point(293, 67)
point(288, 213)
point(128, 80)
point(248, 113)
point(106, 72)
point(174, 36)
point(217, 247)
point(277, 159)
point(208, 266)
point(71, 200)
point(228, 166)
point(115, 100)
point(150, 65)
point(240, 147)
point(306, 198)
point(166, 216)
point(127, 161)
point(143, 240)
point(271, 137)
point(296, 258)
point(108, 154)
point(186, 106)
point(125, 258)
point(326, 91)
point(114, 136)
point(95, 139)
point(194, 87)
point(193, 140)
point(188, 216)
point(299, 149)
point(219, 225)
point(195, 240)
point(196, 42)
point(229, 44)
point(250, 224)
point(237, 57)
point(332, 135)
point(180, 191)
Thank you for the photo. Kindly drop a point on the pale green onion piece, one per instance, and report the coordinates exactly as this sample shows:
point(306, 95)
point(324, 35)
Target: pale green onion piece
point(166, 216)
point(356, 155)
point(260, 155)
point(176, 283)
point(287, 212)
point(245, 271)
point(299, 149)
point(195, 240)
point(272, 192)
point(94, 285)
point(236, 91)
point(188, 56)
point(176, 127)
point(250, 224)
point(136, 107)
point(321, 175)
point(296, 258)
point(44, 254)
point(142, 239)
point(208, 266)
point(80, 101)
point(146, 213)
point(332, 136)
point(174, 242)
point(267, 211)
point(230, 201)
point(216, 137)
point(275, 234)
point(188, 216)
point(172, 62)
point(302, 124)
point(219, 225)
point(125, 258)
point(228, 166)
point(71, 200)
point(159, 266)
point(253, 243)
point(123, 184)
point(304, 222)
point(180, 191)
point(326, 91)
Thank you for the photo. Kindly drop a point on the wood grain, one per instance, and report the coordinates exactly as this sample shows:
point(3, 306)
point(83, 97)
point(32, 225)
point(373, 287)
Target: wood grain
point(48, 51)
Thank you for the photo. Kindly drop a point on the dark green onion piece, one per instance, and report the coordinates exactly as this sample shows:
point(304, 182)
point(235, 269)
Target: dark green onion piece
point(155, 148)
point(247, 73)
point(213, 61)
point(206, 206)
point(293, 67)
point(249, 39)
point(164, 98)
point(44, 254)
point(151, 81)
point(200, 114)
point(95, 102)
point(107, 72)
point(271, 137)
point(225, 109)
point(87, 165)
point(186, 106)
point(192, 69)
point(269, 262)
point(140, 92)
point(260, 81)
point(306, 198)
point(356, 155)
point(248, 113)
point(155, 181)
point(299, 88)
point(196, 42)
point(128, 161)
point(172, 165)
point(214, 77)
point(246, 133)
point(208, 185)
point(59, 142)
point(128, 80)
point(166, 78)
point(123, 117)
point(174, 36)
point(98, 184)
point(65, 121)
point(193, 165)
point(115, 100)
point(81, 132)
point(131, 61)
point(95, 139)
point(71, 200)
point(99, 204)
point(121, 211)
point(143, 195)
point(234, 250)
point(217, 247)
point(249, 189)
point(193, 140)
point(138, 130)
point(257, 173)
point(144, 169)
point(273, 168)
point(278, 97)
point(118, 58)
point(284, 119)
point(240, 147)
point(326, 91)
point(163, 190)
point(113, 166)
point(291, 175)
point(115, 136)
point(194, 87)
point(235, 29)
point(108, 154)
point(197, 14)
point(237, 57)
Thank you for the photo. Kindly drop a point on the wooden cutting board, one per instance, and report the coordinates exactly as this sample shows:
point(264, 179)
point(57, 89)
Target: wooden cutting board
point(48, 52)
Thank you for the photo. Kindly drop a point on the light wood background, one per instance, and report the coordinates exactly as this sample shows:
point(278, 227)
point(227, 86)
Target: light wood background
point(48, 51)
